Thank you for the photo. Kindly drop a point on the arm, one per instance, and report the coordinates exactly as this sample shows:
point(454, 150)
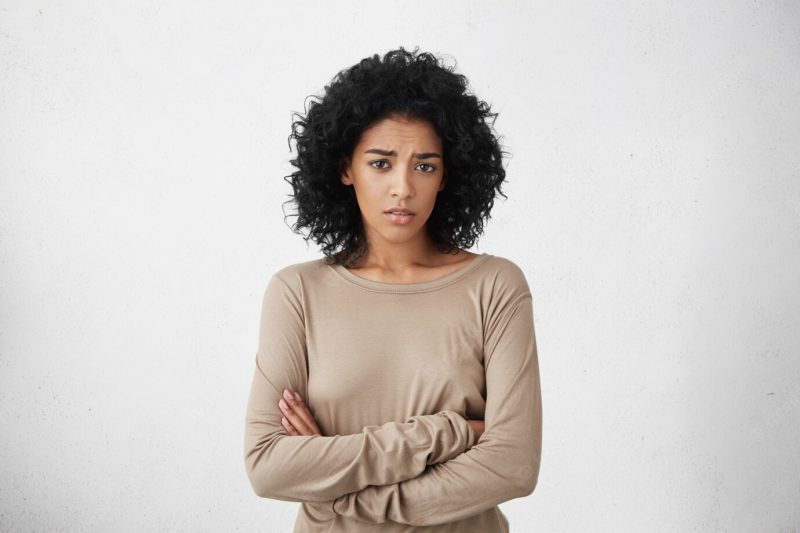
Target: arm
point(503, 465)
point(319, 468)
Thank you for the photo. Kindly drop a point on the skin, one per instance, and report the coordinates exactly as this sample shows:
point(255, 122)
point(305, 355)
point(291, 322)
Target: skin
point(410, 177)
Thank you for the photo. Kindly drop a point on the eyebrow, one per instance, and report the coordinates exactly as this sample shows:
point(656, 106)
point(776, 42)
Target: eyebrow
point(424, 155)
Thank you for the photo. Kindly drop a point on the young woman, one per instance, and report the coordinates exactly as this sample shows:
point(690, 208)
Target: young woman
point(396, 382)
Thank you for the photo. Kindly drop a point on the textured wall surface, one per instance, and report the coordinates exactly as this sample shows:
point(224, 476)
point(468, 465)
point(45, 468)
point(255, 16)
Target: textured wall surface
point(653, 202)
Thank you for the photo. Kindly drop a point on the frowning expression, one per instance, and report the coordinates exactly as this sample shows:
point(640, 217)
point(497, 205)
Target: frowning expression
point(397, 164)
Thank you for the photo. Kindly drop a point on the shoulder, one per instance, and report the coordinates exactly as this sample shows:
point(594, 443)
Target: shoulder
point(505, 276)
point(295, 273)
point(287, 286)
point(296, 278)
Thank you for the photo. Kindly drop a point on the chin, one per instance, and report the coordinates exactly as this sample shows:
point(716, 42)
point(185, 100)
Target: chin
point(399, 234)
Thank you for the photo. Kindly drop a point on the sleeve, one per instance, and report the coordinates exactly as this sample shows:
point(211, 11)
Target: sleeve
point(503, 465)
point(317, 468)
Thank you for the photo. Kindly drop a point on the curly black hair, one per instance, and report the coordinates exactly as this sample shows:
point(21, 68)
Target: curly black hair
point(414, 85)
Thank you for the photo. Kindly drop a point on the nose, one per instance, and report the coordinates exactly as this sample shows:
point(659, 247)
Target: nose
point(401, 183)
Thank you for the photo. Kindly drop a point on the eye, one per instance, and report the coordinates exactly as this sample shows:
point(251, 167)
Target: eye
point(372, 163)
point(433, 168)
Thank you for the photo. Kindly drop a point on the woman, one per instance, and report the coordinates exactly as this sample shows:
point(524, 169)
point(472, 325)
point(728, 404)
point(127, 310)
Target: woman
point(396, 381)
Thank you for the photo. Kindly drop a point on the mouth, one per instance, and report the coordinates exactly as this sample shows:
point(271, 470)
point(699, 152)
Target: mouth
point(399, 211)
point(400, 217)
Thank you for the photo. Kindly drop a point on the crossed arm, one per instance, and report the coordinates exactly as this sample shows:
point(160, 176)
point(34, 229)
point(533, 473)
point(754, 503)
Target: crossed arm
point(437, 477)
point(318, 468)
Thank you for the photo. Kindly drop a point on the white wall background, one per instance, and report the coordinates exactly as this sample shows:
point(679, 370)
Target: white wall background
point(654, 204)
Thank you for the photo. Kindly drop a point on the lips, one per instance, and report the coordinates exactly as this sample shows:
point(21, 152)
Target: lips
point(400, 217)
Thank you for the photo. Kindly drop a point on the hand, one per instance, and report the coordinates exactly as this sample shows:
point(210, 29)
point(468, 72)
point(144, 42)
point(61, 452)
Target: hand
point(478, 426)
point(297, 417)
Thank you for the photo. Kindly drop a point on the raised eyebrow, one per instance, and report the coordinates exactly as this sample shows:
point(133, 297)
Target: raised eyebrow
point(392, 153)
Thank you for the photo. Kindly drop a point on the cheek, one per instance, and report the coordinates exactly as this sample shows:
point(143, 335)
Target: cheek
point(365, 196)
point(371, 208)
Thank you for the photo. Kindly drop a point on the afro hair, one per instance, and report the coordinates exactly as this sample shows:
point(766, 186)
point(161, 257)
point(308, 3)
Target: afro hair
point(413, 85)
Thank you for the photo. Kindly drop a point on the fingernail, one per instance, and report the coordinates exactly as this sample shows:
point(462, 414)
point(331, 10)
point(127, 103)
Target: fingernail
point(297, 397)
point(287, 394)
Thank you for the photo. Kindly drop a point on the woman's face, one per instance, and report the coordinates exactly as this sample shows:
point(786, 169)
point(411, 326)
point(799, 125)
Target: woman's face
point(397, 163)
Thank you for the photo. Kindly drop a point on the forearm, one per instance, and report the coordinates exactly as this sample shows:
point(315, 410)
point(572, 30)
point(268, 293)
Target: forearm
point(478, 479)
point(320, 468)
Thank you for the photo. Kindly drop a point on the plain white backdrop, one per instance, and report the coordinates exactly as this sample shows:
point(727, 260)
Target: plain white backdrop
point(654, 205)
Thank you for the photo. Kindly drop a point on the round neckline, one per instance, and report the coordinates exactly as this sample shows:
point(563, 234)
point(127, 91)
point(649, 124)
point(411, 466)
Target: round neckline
point(420, 286)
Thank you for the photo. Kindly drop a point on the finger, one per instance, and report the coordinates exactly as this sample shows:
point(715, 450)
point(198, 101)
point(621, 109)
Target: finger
point(301, 411)
point(304, 412)
point(289, 428)
point(290, 413)
point(308, 419)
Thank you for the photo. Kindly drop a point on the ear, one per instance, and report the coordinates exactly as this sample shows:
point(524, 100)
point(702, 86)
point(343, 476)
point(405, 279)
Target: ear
point(344, 172)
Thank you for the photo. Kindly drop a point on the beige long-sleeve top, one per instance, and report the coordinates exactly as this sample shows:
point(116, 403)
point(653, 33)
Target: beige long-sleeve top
point(391, 373)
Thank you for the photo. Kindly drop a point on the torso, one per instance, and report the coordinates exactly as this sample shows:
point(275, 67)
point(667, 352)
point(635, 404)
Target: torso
point(368, 353)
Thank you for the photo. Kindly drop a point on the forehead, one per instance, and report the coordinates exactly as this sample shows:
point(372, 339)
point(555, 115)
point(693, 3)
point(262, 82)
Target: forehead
point(396, 130)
